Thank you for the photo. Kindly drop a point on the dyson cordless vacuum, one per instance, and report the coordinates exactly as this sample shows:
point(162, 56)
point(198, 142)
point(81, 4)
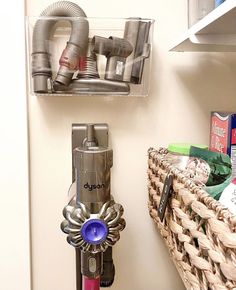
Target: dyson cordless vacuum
point(93, 220)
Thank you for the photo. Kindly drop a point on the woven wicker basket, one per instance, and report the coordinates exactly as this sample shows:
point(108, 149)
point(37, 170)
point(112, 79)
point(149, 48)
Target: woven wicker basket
point(198, 230)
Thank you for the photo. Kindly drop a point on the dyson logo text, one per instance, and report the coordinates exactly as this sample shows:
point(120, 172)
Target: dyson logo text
point(91, 187)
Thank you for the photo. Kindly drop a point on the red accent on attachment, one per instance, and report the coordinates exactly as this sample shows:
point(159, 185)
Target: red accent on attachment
point(82, 63)
point(91, 284)
point(72, 62)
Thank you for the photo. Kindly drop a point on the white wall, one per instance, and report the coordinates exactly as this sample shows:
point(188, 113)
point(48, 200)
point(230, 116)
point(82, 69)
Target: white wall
point(14, 209)
point(185, 87)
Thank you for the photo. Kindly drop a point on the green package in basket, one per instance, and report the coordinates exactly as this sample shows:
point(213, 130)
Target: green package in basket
point(220, 170)
point(184, 148)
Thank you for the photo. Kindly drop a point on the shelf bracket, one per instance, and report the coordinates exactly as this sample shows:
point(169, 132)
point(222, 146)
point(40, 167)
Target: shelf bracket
point(217, 39)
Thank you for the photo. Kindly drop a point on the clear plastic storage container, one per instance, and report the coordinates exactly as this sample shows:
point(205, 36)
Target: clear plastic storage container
point(197, 9)
point(113, 56)
point(197, 168)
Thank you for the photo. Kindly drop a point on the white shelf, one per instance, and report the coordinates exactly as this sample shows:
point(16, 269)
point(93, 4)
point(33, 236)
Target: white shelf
point(215, 32)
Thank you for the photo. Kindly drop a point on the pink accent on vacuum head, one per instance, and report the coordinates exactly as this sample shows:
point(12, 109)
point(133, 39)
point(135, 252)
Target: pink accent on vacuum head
point(91, 284)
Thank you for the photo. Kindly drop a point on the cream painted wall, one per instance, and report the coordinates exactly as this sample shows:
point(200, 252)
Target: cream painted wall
point(14, 205)
point(185, 87)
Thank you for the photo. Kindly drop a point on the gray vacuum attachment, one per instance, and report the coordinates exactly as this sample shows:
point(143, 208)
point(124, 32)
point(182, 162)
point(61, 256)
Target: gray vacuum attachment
point(116, 50)
point(137, 33)
point(76, 46)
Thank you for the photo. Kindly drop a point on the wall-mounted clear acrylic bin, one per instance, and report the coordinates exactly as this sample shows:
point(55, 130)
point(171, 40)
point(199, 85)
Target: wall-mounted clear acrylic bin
point(89, 56)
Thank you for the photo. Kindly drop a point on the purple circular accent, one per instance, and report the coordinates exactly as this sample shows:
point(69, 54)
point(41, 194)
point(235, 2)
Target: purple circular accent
point(94, 231)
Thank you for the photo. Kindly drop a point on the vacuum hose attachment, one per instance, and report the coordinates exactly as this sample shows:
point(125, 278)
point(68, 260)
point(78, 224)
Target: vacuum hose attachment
point(116, 50)
point(75, 48)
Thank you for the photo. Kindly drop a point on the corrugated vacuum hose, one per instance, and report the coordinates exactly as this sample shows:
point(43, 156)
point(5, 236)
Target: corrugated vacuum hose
point(76, 46)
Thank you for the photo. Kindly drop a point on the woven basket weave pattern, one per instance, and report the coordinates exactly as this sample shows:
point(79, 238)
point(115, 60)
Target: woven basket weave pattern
point(198, 230)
